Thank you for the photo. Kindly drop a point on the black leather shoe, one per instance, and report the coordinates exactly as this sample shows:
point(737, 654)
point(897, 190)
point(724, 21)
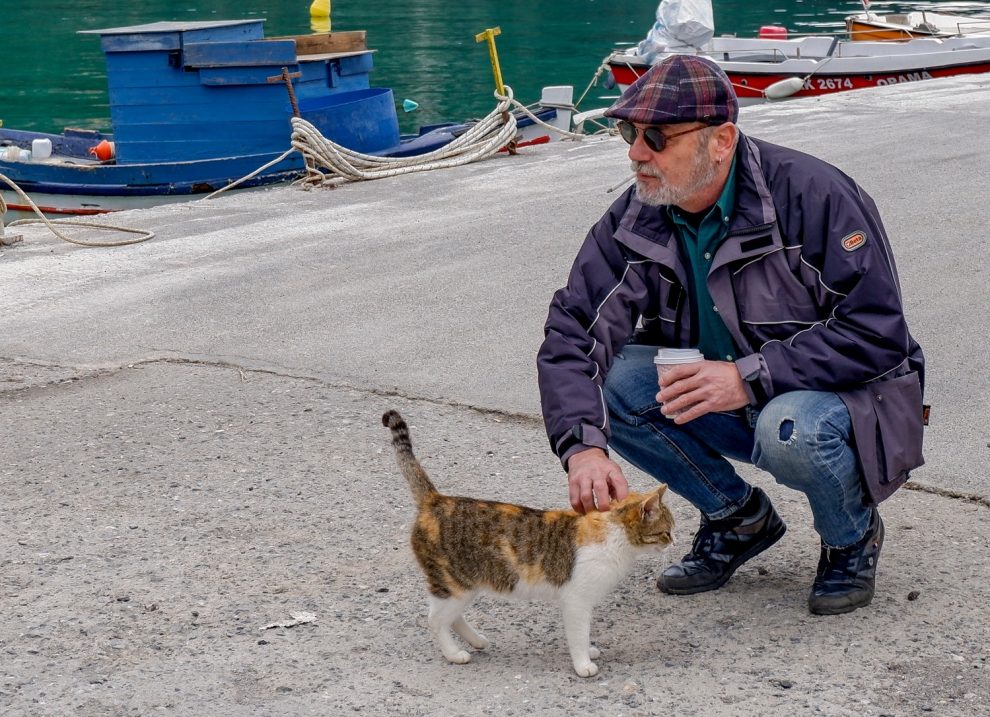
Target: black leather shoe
point(721, 546)
point(846, 577)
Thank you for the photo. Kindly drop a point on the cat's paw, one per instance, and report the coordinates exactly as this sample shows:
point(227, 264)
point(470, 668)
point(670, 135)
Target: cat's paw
point(594, 653)
point(586, 669)
point(461, 657)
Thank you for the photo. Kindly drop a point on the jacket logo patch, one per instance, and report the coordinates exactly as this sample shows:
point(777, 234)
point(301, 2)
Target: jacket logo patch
point(854, 241)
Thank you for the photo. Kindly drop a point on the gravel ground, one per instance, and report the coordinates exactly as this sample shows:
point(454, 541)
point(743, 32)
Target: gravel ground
point(147, 544)
point(192, 451)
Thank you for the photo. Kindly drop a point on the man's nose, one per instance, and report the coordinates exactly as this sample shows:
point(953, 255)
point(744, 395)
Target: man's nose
point(638, 151)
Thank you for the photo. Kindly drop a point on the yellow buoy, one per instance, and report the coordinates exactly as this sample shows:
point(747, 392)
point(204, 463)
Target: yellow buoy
point(320, 8)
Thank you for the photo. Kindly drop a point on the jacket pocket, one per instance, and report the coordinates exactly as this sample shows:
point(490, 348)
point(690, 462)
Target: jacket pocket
point(888, 429)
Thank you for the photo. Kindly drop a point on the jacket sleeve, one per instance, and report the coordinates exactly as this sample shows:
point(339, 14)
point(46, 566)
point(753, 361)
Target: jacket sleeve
point(588, 321)
point(846, 260)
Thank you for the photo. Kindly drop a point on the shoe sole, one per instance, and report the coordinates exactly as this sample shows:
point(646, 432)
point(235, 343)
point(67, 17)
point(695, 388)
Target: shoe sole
point(839, 610)
point(753, 551)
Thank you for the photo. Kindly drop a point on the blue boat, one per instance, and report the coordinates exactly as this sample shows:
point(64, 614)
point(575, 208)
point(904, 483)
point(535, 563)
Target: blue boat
point(195, 106)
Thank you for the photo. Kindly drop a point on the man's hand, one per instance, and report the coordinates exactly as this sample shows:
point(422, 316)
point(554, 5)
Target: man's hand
point(593, 479)
point(700, 388)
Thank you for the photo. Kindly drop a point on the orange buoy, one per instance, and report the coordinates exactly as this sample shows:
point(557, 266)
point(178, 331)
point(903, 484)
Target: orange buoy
point(103, 151)
point(773, 32)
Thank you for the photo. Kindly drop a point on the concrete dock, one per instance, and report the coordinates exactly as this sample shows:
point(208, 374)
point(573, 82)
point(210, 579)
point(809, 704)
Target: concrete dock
point(192, 450)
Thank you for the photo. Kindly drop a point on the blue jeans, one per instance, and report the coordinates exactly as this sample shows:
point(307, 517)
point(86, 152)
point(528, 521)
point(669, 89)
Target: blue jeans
point(801, 438)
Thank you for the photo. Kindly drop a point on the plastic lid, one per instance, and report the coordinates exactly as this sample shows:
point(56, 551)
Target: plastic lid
point(669, 356)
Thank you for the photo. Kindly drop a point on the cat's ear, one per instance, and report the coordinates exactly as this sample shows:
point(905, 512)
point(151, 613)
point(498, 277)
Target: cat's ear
point(650, 508)
point(661, 489)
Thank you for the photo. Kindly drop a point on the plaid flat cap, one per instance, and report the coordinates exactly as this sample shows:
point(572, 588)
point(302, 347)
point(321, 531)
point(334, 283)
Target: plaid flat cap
point(680, 88)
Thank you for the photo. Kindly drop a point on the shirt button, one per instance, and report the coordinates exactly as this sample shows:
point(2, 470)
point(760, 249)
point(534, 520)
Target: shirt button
point(726, 220)
point(728, 357)
point(715, 309)
point(708, 255)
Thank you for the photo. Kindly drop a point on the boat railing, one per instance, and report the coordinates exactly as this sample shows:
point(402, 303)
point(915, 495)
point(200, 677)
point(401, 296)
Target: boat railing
point(977, 26)
point(809, 47)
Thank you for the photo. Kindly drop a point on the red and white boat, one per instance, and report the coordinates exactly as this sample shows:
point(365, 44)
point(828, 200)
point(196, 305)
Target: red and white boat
point(774, 67)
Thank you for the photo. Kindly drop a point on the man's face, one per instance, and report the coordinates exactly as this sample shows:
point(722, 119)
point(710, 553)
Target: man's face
point(677, 174)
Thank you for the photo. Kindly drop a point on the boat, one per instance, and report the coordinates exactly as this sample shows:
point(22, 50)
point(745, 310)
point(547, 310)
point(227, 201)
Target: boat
point(195, 106)
point(775, 66)
point(909, 25)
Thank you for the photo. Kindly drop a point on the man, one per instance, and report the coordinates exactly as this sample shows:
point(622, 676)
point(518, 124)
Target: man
point(776, 266)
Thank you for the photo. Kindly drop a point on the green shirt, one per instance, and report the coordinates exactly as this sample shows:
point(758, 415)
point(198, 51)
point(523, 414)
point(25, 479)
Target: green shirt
point(699, 235)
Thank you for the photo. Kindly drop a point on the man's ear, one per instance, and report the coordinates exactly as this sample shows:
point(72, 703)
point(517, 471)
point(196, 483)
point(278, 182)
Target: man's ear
point(725, 140)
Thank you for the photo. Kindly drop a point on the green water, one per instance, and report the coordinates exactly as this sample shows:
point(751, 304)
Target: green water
point(426, 50)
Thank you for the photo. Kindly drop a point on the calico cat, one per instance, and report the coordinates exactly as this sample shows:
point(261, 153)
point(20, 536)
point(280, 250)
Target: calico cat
point(466, 546)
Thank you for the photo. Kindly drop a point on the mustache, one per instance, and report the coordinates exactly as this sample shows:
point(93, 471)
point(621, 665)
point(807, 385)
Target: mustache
point(644, 168)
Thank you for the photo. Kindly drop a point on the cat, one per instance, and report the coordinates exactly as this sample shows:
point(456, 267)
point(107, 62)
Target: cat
point(465, 546)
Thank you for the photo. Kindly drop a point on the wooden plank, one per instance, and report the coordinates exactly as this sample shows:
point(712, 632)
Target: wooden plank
point(333, 55)
point(350, 41)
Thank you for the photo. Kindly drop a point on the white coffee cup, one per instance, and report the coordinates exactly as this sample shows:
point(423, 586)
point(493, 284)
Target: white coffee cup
point(666, 359)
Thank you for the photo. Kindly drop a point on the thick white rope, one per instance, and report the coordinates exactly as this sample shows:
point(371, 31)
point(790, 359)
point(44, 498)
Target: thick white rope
point(145, 235)
point(329, 163)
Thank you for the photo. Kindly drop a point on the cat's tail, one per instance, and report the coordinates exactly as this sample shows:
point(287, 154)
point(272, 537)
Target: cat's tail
point(419, 482)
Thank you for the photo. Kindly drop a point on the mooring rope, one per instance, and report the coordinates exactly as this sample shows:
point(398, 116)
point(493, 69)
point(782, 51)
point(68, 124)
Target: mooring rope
point(145, 235)
point(328, 163)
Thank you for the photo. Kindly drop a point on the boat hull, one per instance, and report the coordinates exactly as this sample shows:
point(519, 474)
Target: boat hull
point(62, 187)
point(863, 30)
point(907, 26)
point(198, 105)
point(72, 184)
point(827, 66)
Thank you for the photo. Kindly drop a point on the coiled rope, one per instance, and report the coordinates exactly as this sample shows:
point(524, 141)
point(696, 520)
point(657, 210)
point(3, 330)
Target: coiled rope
point(144, 234)
point(328, 163)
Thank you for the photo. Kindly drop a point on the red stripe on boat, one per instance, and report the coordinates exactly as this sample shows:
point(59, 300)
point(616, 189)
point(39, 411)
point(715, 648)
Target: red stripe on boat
point(59, 210)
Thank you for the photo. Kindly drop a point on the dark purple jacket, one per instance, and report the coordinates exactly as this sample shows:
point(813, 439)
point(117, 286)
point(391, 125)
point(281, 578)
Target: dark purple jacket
point(805, 282)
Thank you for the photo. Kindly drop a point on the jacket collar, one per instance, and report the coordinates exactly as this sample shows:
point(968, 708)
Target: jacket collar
point(753, 231)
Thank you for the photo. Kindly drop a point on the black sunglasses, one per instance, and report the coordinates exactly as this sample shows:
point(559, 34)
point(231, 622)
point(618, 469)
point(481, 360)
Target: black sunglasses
point(654, 138)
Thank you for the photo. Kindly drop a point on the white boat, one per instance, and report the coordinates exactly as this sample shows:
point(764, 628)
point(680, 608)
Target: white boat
point(774, 68)
point(909, 25)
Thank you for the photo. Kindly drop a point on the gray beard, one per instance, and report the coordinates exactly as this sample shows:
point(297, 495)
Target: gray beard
point(702, 174)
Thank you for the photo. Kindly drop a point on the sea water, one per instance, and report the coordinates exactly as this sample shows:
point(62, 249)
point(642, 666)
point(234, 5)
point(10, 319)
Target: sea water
point(426, 50)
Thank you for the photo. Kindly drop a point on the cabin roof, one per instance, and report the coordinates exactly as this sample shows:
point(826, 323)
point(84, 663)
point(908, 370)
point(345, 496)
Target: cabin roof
point(166, 26)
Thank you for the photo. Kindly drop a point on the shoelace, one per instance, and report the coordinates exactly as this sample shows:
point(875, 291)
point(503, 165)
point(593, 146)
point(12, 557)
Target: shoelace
point(841, 561)
point(704, 541)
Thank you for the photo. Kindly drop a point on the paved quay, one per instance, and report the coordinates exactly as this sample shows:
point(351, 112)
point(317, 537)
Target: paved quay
point(192, 451)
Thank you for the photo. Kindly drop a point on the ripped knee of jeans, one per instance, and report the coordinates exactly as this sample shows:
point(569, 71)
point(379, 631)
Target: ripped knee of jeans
point(787, 434)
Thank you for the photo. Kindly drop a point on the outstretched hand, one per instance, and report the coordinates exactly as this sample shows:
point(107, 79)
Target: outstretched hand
point(700, 388)
point(593, 480)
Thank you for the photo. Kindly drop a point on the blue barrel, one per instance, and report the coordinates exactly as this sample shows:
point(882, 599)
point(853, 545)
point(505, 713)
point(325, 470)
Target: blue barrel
point(362, 120)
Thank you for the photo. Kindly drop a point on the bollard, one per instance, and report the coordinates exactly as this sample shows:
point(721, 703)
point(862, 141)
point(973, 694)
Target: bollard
point(7, 238)
point(489, 36)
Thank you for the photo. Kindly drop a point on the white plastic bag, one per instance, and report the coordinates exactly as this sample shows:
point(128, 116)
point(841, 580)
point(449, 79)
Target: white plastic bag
point(680, 25)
